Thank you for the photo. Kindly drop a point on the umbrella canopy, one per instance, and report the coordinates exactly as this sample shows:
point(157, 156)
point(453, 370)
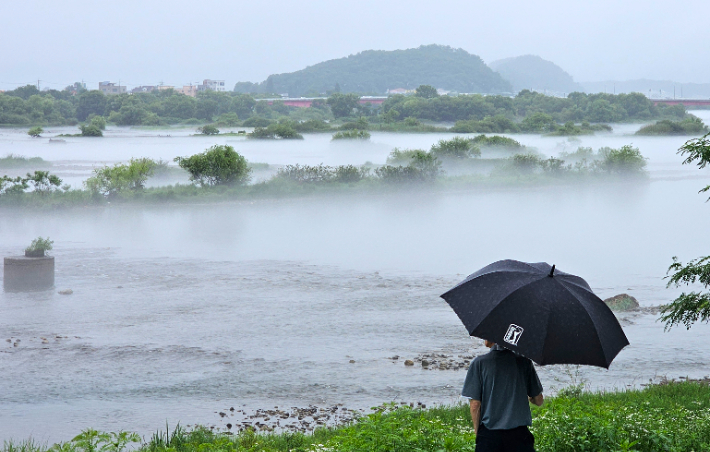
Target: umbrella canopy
point(546, 315)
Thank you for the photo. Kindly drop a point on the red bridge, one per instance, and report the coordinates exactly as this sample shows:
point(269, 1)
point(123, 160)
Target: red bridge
point(305, 102)
point(686, 102)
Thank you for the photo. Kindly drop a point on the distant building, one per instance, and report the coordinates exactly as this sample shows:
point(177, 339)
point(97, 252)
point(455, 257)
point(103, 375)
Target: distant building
point(109, 88)
point(164, 87)
point(400, 91)
point(143, 89)
point(211, 85)
point(189, 90)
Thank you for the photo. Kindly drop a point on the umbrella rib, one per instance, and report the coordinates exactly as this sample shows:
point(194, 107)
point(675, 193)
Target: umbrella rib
point(596, 327)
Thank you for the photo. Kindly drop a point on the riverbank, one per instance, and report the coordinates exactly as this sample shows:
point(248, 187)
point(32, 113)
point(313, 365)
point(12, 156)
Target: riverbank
point(670, 416)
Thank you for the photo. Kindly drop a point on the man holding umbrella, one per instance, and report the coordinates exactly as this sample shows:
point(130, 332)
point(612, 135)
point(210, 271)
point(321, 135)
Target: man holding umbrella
point(538, 314)
point(499, 385)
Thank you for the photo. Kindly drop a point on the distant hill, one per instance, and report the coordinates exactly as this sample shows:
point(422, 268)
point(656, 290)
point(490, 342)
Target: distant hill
point(532, 72)
point(376, 71)
point(651, 88)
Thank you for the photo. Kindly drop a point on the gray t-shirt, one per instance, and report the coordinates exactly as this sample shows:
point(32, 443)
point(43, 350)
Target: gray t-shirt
point(502, 381)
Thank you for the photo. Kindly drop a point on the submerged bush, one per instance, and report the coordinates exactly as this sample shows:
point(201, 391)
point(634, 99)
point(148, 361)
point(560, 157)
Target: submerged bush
point(354, 134)
point(90, 131)
point(111, 180)
point(402, 156)
point(456, 148)
point(626, 160)
point(218, 165)
point(35, 132)
point(692, 125)
point(281, 130)
point(496, 141)
point(208, 129)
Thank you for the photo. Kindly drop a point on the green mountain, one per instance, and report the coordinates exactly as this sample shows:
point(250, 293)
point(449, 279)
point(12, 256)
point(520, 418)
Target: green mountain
point(376, 71)
point(534, 73)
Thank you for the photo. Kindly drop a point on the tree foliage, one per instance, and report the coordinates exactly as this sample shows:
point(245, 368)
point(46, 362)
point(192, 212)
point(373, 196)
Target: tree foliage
point(109, 181)
point(691, 307)
point(426, 91)
point(343, 104)
point(456, 148)
point(697, 151)
point(90, 130)
point(35, 132)
point(218, 165)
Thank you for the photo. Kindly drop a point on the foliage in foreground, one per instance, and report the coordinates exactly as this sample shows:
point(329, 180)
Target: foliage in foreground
point(691, 307)
point(673, 417)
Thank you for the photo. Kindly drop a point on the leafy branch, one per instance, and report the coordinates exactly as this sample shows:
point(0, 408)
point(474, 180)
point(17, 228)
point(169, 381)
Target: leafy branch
point(691, 307)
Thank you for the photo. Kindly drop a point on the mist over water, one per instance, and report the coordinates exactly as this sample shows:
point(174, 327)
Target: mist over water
point(181, 311)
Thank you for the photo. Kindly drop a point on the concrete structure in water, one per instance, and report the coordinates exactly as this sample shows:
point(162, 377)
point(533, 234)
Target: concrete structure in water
point(25, 274)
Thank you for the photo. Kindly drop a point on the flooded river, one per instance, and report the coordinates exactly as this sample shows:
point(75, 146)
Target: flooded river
point(180, 312)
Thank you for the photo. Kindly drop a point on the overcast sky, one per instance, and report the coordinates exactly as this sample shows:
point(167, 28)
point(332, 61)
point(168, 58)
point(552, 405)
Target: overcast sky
point(177, 42)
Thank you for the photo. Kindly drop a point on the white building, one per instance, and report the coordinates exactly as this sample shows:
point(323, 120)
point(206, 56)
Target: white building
point(211, 85)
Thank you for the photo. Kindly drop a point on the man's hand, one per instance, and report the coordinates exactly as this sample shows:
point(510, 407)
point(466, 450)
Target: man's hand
point(475, 414)
point(537, 400)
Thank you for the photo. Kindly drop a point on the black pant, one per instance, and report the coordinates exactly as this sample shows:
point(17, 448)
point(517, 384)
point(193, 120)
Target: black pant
point(513, 440)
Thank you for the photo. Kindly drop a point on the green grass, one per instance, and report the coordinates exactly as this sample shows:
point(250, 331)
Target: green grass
point(672, 417)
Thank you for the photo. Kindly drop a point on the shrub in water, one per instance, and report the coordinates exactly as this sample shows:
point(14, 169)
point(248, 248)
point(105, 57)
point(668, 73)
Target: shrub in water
point(208, 129)
point(496, 141)
point(218, 165)
point(627, 160)
point(111, 180)
point(90, 131)
point(35, 132)
point(352, 135)
point(456, 148)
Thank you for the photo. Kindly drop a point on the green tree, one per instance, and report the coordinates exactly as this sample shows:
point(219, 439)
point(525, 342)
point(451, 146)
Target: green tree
point(35, 132)
point(626, 160)
point(208, 129)
point(112, 180)
point(218, 165)
point(426, 92)
point(90, 102)
point(694, 306)
point(98, 122)
point(342, 105)
point(89, 130)
point(538, 122)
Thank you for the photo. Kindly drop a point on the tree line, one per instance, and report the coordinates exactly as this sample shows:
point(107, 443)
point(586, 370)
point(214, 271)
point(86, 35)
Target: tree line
point(526, 112)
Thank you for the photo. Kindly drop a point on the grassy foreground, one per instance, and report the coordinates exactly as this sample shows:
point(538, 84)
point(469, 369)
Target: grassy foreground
point(671, 417)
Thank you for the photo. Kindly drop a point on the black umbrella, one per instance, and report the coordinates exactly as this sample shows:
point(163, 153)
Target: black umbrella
point(546, 315)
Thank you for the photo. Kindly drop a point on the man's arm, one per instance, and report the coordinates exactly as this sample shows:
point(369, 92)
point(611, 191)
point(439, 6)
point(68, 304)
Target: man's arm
point(537, 400)
point(475, 414)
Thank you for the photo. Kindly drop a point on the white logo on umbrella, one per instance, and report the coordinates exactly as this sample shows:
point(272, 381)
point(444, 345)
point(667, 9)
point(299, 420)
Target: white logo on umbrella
point(513, 334)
